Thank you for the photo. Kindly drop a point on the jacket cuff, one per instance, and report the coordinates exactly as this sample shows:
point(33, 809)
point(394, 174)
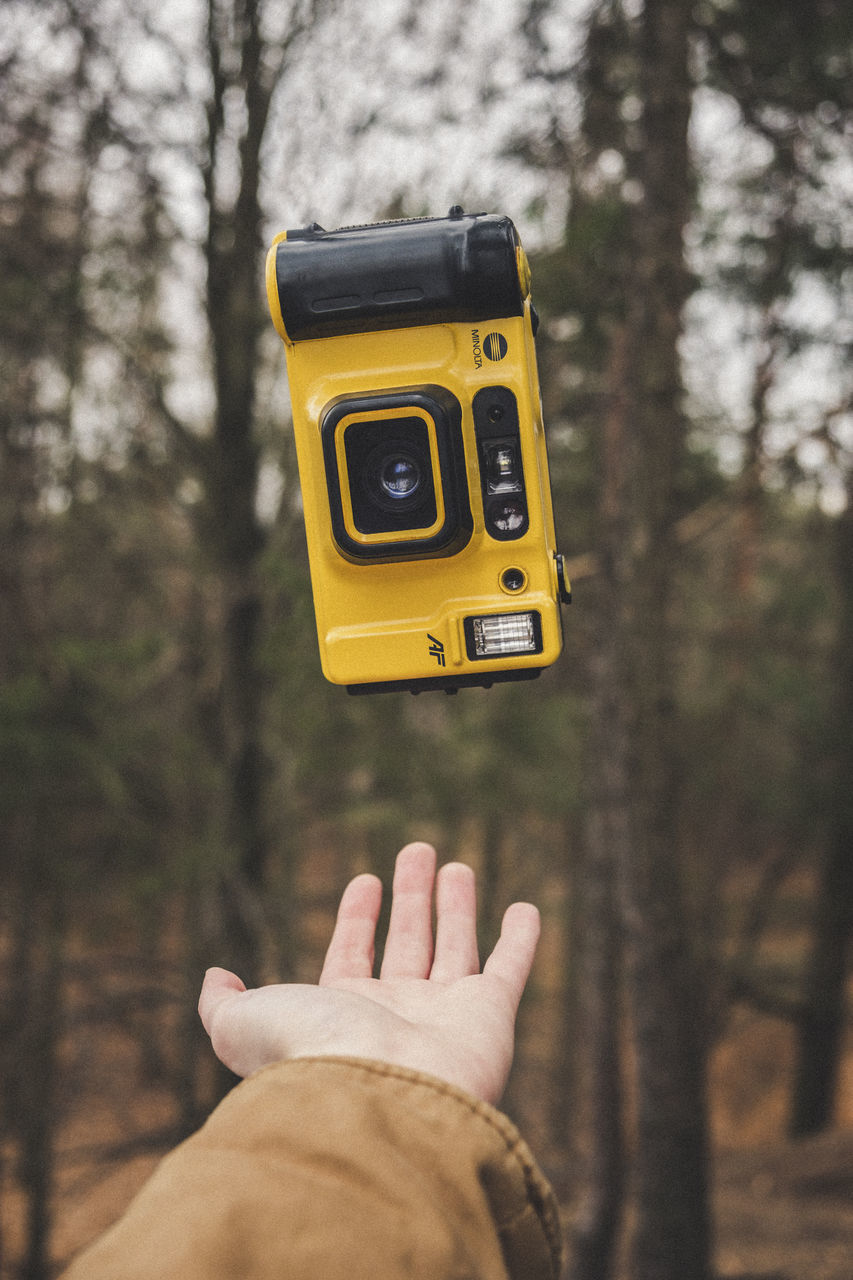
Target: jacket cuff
point(453, 1126)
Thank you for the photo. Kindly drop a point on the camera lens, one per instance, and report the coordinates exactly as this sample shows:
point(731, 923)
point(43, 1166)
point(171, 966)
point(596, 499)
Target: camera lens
point(396, 475)
point(390, 471)
point(400, 477)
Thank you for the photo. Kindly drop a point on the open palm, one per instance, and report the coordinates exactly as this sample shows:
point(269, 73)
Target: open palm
point(430, 1009)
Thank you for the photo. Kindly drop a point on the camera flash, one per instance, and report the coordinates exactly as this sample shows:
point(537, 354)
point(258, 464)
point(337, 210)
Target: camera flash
point(504, 633)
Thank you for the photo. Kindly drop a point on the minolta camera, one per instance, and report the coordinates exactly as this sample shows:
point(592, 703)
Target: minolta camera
point(421, 451)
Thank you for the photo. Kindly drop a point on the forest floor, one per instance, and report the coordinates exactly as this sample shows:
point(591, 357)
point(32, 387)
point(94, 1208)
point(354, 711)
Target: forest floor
point(784, 1209)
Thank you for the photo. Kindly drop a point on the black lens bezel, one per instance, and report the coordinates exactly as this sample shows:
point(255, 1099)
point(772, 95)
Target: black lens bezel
point(445, 412)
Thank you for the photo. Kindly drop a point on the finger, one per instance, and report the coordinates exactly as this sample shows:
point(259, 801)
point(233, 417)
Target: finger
point(512, 958)
point(226, 1009)
point(351, 949)
point(408, 949)
point(219, 985)
point(456, 954)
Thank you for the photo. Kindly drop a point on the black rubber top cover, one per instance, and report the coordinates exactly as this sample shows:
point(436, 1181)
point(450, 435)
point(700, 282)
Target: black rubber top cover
point(391, 275)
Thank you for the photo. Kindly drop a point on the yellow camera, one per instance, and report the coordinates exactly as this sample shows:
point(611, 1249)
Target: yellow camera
point(421, 451)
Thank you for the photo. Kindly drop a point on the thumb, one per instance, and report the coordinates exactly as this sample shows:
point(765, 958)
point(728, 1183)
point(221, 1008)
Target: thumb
point(218, 985)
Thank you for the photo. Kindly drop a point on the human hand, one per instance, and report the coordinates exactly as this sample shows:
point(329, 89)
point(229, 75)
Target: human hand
point(430, 1008)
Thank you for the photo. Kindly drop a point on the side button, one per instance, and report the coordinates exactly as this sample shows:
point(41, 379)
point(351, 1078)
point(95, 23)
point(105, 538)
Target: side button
point(564, 584)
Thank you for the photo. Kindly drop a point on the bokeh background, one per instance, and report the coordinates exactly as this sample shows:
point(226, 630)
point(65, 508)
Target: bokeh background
point(179, 786)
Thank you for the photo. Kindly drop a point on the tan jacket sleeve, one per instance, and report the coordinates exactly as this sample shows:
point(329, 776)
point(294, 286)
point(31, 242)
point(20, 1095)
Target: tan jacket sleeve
point(339, 1169)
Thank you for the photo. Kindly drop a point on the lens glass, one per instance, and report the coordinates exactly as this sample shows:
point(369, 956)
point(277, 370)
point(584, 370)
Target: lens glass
point(400, 478)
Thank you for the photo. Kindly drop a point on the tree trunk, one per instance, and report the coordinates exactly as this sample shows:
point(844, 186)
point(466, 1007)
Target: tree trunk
point(672, 1236)
point(633, 755)
point(596, 1096)
point(235, 319)
point(821, 1025)
point(38, 970)
point(643, 448)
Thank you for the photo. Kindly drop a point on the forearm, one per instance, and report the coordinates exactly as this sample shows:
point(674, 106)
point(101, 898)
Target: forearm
point(342, 1169)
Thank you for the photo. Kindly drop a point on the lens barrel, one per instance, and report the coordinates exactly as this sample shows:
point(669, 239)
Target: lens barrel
point(392, 486)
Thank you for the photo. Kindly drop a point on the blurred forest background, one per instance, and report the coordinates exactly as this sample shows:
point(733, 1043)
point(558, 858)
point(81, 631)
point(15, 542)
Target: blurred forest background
point(180, 787)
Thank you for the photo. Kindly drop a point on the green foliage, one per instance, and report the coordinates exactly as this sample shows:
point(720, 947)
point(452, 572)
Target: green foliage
point(91, 766)
point(756, 683)
point(780, 57)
